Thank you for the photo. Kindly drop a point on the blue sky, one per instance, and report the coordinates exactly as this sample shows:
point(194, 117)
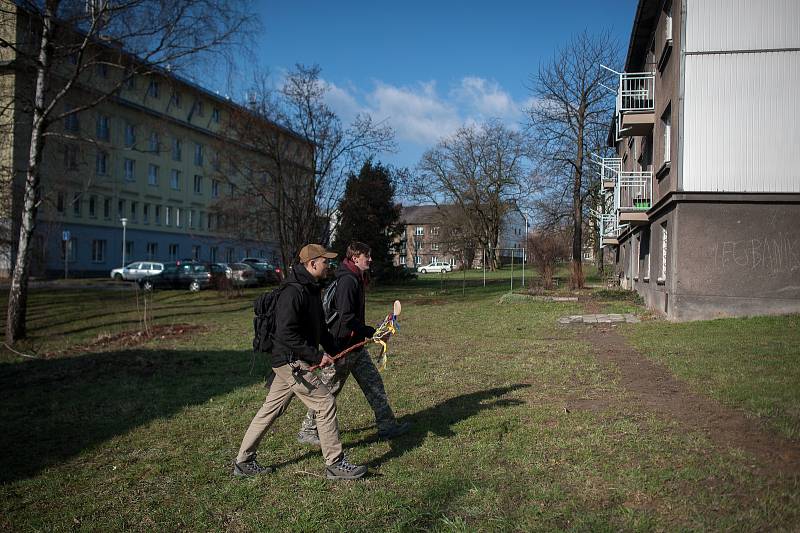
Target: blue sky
point(429, 67)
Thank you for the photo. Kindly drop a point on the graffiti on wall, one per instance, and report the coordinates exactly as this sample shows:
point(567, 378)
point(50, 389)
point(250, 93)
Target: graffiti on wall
point(773, 255)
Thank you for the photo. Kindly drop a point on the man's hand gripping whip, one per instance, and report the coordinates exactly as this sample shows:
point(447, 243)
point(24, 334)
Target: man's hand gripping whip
point(385, 329)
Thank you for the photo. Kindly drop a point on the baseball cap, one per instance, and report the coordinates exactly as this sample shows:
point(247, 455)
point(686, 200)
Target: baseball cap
point(312, 251)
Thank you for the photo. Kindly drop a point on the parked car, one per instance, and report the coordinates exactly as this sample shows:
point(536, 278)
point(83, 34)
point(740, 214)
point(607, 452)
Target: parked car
point(266, 273)
point(436, 266)
point(241, 274)
point(219, 275)
point(178, 275)
point(137, 270)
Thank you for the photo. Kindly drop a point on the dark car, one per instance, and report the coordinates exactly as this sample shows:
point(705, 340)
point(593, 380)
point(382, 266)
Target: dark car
point(266, 274)
point(179, 275)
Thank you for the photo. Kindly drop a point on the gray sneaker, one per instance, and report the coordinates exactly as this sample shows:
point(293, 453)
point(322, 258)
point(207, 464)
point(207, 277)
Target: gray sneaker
point(342, 469)
point(250, 468)
point(400, 428)
point(308, 437)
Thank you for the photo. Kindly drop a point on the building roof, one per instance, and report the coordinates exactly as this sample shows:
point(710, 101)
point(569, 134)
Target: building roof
point(647, 13)
point(422, 214)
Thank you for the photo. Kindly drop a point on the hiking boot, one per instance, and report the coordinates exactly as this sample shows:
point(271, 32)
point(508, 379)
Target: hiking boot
point(400, 428)
point(342, 469)
point(308, 437)
point(250, 468)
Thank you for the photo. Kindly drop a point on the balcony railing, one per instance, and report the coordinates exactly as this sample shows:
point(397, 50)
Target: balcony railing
point(636, 91)
point(635, 191)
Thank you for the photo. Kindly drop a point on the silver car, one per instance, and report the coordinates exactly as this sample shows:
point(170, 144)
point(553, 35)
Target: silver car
point(137, 270)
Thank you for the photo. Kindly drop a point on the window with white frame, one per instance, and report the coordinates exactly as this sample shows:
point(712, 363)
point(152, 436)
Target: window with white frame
point(153, 89)
point(178, 216)
point(664, 243)
point(198, 184)
point(666, 125)
point(155, 143)
point(106, 207)
point(76, 204)
point(191, 218)
point(196, 252)
point(130, 135)
point(93, 206)
point(420, 231)
point(434, 246)
point(173, 252)
point(214, 188)
point(152, 250)
point(417, 260)
point(212, 254)
point(98, 251)
point(157, 214)
point(177, 149)
point(103, 129)
point(435, 230)
point(402, 260)
point(146, 213)
point(101, 163)
point(134, 210)
point(198, 154)
point(167, 215)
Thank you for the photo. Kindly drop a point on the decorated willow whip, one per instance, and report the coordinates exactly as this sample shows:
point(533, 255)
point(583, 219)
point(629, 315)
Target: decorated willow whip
point(385, 329)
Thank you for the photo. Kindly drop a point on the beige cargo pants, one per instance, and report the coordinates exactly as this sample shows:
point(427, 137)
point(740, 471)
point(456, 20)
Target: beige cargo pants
point(313, 393)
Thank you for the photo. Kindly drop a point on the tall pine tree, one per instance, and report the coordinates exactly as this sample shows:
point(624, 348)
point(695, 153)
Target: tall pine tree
point(368, 213)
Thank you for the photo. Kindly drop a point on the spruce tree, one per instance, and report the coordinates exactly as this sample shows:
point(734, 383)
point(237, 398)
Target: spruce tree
point(368, 213)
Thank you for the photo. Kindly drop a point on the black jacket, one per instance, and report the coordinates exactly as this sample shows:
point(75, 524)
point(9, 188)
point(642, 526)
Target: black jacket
point(300, 321)
point(349, 327)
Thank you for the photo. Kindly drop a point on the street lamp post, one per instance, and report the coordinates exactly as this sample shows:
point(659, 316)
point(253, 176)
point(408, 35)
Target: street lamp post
point(124, 224)
point(524, 250)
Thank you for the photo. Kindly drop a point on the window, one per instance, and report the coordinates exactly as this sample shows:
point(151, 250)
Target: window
point(130, 80)
point(152, 250)
point(417, 260)
point(196, 252)
point(130, 135)
point(435, 230)
point(402, 260)
point(146, 213)
point(176, 149)
point(130, 170)
point(434, 259)
point(155, 143)
point(71, 121)
point(434, 246)
point(198, 106)
point(101, 163)
point(157, 215)
point(167, 215)
point(200, 219)
point(93, 206)
point(666, 125)
point(152, 175)
point(198, 154)
point(668, 21)
point(644, 254)
point(120, 208)
point(178, 216)
point(129, 249)
point(192, 218)
point(103, 130)
point(153, 90)
point(106, 207)
point(134, 210)
point(212, 254)
point(98, 251)
point(71, 157)
point(175, 180)
point(664, 241)
point(229, 255)
point(215, 115)
point(214, 189)
point(60, 202)
point(102, 70)
point(173, 252)
point(420, 231)
point(198, 184)
point(215, 163)
point(76, 204)
point(176, 100)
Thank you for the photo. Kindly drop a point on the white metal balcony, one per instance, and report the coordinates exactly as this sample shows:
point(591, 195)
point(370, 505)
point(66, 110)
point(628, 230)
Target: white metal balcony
point(635, 196)
point(610, 228)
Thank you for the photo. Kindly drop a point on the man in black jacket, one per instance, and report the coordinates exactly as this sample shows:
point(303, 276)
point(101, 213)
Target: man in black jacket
point(348, 329)
point(299, 330)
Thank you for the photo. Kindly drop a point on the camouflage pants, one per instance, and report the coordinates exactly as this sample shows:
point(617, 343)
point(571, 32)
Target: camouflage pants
point(368, 378)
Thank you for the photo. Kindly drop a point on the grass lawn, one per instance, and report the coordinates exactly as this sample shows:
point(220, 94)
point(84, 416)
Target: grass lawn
point(142, 438)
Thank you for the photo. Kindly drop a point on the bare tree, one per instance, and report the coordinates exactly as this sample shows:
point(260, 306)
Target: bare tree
point(87, 50)
point(483, 171)
point(545, 249)
point(569, 120)
point(300, 154)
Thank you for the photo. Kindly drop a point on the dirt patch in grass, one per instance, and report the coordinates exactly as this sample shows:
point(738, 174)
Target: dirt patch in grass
point(128, 339)
point(655, 389)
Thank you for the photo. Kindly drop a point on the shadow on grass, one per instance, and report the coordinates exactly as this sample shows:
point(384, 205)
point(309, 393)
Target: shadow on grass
point(52, 410)
point(439, 419)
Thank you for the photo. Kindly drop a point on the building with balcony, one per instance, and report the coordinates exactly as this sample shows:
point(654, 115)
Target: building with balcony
point(434, 233)
point(155, 156)
point(705, 188)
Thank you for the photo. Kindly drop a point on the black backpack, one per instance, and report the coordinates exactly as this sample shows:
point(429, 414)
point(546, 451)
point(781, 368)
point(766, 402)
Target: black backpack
point(329, 303)
point(264, 321)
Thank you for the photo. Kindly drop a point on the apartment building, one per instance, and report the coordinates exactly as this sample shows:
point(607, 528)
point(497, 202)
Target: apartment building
point(140, 176)
point(433, 233)
point(704, 192)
